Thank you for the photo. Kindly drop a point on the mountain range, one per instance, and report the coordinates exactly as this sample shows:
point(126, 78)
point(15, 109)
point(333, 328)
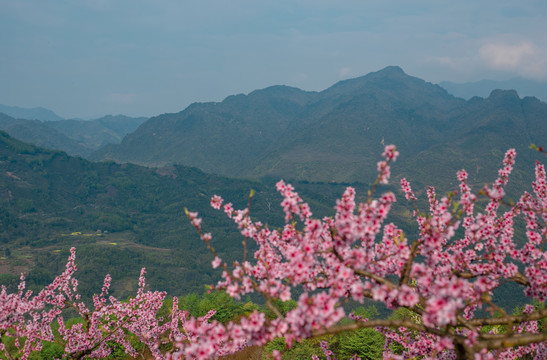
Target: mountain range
point(336, 134)
point(330, 135)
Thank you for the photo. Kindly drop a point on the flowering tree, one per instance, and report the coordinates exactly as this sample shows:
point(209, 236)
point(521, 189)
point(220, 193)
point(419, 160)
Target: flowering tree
point(29, 319)
point(443, 280)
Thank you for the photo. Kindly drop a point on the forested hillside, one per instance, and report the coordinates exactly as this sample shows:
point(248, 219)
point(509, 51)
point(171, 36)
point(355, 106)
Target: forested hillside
point(122, 218)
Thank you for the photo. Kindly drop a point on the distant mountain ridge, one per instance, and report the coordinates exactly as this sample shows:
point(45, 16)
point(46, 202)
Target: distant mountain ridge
point(37, 113)
point(37, 132)
point(98, 132)
point(75, 137)
point(336, 134)
point(483, 88)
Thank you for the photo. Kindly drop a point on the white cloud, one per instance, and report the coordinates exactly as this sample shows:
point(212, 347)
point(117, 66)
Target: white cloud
point(524, 58)
point(503, 56)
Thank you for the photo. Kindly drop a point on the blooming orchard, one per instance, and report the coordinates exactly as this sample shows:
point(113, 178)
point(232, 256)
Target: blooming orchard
point(445, 281)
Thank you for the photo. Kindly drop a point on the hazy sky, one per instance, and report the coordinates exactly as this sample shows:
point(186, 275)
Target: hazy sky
point(87, 58)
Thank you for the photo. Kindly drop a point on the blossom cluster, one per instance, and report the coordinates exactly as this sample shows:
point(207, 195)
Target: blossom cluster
point(28, 318)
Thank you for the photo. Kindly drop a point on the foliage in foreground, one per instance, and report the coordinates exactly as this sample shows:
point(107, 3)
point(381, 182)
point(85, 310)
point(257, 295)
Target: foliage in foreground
point(444, 278)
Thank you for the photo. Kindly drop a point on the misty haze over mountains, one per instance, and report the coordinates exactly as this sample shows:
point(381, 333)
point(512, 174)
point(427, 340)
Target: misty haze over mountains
point(481, 88)
point(331, 135)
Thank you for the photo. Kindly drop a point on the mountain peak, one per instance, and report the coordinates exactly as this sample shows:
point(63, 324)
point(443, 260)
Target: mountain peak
point(390, 71)
point(278, 91)
point(378, 78)
point(390, 82)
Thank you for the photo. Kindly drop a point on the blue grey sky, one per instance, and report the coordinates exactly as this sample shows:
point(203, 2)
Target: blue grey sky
point(88, 58)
